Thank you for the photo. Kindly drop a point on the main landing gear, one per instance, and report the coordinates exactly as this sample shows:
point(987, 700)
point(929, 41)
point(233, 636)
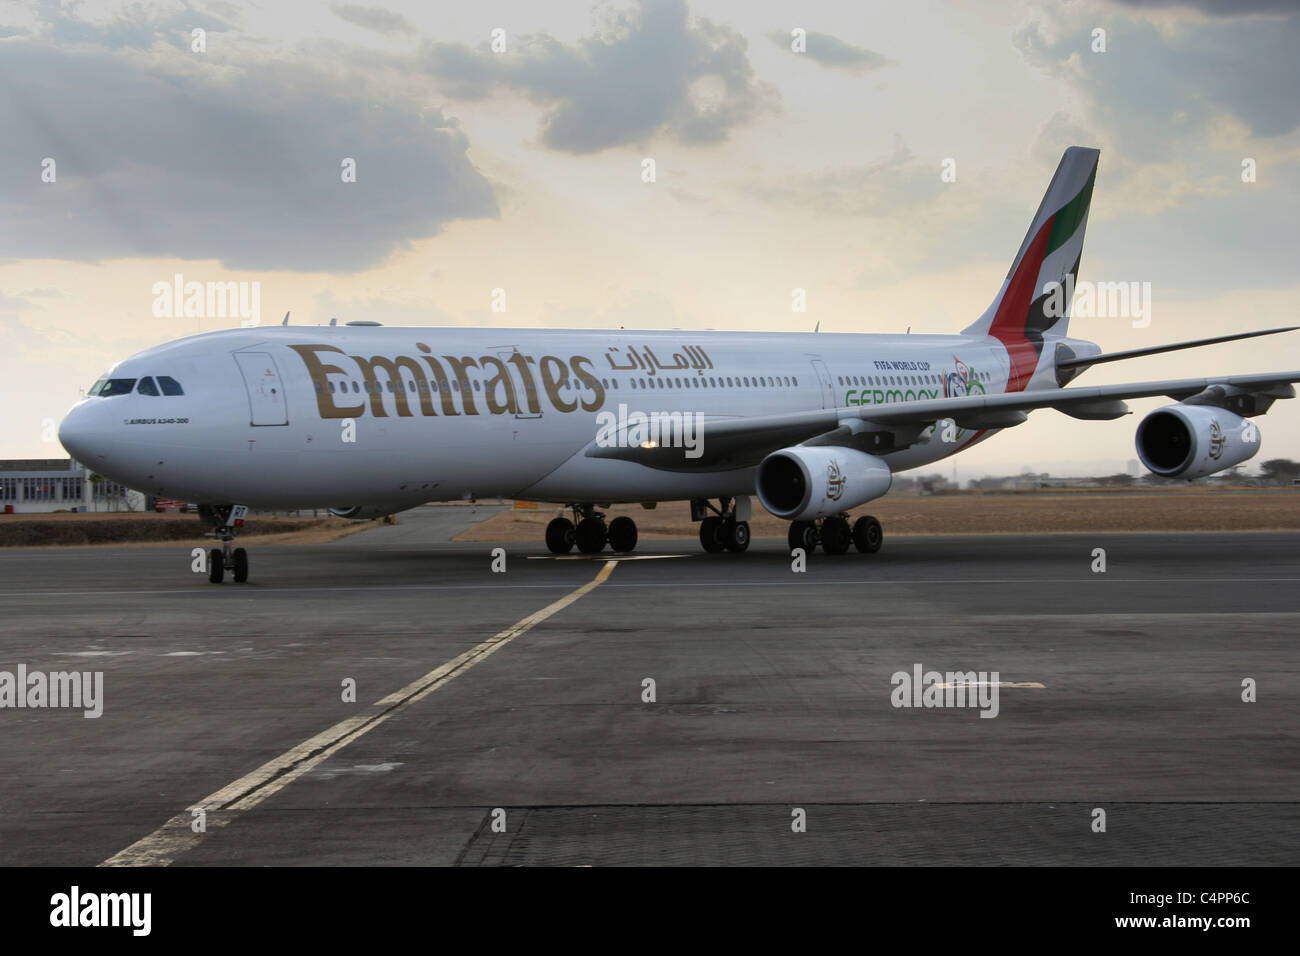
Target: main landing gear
point(835, 535)
point(727, 528)
point(226, 520)
point(589, 532)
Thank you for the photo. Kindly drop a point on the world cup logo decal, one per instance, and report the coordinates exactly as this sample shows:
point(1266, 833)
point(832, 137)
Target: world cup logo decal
point(834, 481)
point(956, 384)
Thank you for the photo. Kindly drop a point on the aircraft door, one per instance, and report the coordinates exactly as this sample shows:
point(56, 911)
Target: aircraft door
point(824, 377)
point(266, 402)
point(523, 390)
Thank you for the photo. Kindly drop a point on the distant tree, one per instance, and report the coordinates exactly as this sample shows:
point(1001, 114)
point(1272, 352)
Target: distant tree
point(1279, 471)
point(1121, 480)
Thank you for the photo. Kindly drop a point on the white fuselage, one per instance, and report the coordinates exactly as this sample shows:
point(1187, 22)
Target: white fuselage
point(388, 418)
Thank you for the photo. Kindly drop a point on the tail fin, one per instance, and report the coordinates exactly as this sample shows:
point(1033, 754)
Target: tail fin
point(1028, 306)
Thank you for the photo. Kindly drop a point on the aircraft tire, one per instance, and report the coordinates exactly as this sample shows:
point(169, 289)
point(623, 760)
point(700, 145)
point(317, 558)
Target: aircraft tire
point(591, 535)
point(803, 534)
point(868, 536)
point(711, 534)
point(836, 536)
point(559, 536)
point(622, 534)
point(735, 535)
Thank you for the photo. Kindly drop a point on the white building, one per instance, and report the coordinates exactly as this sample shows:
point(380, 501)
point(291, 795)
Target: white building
point(34, 485)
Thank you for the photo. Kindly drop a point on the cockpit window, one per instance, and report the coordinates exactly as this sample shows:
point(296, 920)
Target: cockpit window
point(147, 386)
point(114, 386)
point(169, 385)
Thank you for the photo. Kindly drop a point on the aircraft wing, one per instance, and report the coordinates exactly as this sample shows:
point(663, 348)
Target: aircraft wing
point(725, 443)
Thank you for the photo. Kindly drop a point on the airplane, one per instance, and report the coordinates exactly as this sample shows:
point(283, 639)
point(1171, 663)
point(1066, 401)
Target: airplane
point(369, 420)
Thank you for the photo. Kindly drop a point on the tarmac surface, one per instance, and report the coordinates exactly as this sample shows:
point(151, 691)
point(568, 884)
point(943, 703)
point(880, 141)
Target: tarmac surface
point(486, 733)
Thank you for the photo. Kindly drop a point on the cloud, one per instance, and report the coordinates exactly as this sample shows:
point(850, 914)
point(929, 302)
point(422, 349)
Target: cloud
point(170, 155)
point(129, 27)
point(1218, 8)
point(832, 52)
point(898, 183)
point(1056, 135)
point(377, 19)
point(1155, 88)
point(652, 71)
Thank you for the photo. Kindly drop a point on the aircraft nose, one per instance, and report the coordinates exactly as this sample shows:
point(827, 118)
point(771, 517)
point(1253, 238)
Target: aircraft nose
point(82, 434)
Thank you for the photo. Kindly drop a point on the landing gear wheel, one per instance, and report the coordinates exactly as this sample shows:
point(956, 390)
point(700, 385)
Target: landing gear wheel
point(803, 534)
point(560, 536)
point(836, 536)
point(868, 536)
point(711, 534)
point(622, 534)
point(216, 566)
point(241, 565)
point(735, 535)
point(591, 536)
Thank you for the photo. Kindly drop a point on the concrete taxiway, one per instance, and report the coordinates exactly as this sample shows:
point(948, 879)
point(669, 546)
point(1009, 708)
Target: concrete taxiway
point(1120, 691)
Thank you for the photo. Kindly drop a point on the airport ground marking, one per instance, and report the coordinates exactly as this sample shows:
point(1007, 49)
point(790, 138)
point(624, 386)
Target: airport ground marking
point(177, 836)
point(26, 593)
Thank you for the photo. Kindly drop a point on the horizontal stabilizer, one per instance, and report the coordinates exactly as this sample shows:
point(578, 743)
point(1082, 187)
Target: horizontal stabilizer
point(1083, 362)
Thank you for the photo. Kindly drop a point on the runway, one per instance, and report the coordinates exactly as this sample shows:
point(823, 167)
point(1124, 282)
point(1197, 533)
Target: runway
point(485, 733)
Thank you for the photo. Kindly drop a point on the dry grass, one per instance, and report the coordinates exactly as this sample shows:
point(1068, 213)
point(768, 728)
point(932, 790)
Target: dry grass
point(89, 530)
point(980, 513)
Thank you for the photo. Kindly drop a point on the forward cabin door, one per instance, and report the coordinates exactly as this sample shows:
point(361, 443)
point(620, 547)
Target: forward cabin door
point(266, 404)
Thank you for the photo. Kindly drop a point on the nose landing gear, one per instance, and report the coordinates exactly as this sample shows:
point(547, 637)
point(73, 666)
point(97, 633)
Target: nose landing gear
point(727, 529)
point(226, 520)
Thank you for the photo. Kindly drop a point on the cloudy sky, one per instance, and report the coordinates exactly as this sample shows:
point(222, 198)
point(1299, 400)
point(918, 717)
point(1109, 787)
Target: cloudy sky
point(522, 169)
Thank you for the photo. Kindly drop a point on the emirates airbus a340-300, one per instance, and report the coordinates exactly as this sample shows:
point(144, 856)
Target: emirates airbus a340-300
point(368, 421)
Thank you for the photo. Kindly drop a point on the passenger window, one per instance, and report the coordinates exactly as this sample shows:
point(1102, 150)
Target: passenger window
point(169, 385)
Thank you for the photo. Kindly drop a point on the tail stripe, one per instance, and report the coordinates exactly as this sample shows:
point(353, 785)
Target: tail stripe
point(1009, 322)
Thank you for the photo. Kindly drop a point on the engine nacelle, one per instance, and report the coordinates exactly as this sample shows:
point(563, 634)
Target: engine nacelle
point(806, 482)
point(1192, 441)
point(360, 512)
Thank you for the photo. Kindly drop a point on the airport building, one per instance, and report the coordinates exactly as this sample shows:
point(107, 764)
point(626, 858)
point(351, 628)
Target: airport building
point(35, 485)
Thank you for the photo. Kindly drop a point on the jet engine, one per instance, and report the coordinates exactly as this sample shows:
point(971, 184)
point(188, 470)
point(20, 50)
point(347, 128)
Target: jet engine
point(806, 482)
point(1192, 441)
